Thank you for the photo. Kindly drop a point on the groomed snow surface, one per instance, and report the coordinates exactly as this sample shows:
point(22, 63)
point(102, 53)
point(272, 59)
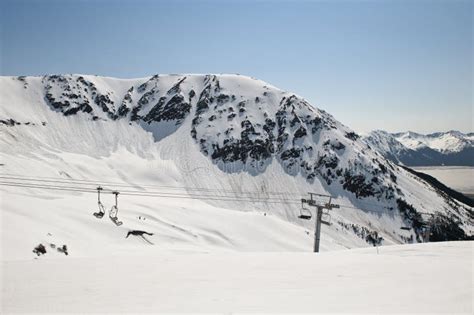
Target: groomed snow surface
point(422, 278)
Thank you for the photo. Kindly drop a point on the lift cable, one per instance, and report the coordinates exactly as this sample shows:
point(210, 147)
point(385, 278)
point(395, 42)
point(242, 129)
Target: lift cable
point(117, 184)
point(158, 195)
point(163, 194)
point(136, 186)
point(134, 192)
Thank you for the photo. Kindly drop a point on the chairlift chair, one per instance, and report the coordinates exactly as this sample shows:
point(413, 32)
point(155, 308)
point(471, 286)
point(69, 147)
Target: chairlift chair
point(326, 218)
point(101, 211)
point(305, 213)
point(114, 210)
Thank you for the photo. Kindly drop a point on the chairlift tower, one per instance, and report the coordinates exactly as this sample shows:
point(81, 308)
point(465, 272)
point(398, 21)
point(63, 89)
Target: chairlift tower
point(319, 214)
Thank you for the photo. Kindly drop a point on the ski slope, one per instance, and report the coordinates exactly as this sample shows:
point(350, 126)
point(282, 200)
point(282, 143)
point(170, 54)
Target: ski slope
point(422, 278)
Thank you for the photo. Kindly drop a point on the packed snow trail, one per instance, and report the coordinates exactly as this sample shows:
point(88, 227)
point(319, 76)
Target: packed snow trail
point(423, 278)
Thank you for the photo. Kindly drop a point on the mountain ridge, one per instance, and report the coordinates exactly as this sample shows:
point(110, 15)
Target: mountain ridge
point(220, 132)
point(451, 148)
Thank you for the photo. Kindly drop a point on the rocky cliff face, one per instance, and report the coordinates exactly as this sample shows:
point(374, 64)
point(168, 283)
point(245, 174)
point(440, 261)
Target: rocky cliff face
point(239, 131)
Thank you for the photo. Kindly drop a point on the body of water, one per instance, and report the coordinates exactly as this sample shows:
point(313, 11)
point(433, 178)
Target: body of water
point(460, 178)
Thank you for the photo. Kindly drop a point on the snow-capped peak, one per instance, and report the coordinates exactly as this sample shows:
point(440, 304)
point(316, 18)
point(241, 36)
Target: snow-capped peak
point(444, 142)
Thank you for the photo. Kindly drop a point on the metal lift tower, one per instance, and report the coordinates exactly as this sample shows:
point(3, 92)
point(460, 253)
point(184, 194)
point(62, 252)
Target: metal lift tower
point(319, 214)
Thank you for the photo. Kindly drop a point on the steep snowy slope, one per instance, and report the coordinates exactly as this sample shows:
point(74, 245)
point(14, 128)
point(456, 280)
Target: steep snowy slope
point(213, 161)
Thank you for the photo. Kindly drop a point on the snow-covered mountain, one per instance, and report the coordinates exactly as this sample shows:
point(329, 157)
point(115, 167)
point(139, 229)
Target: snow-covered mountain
point(414, 149)
point(386, 144)
point(226, 142)
point(444, 142)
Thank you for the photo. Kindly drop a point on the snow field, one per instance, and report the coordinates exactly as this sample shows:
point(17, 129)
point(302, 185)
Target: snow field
point(423, 278)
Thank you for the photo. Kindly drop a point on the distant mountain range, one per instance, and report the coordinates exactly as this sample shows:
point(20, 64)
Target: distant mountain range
point(451, 148)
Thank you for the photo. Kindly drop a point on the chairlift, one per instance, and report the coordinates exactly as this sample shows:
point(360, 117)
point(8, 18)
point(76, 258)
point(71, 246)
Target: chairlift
point(101, 211)
point(114, 210)
point(305, 213)
point(326, 218)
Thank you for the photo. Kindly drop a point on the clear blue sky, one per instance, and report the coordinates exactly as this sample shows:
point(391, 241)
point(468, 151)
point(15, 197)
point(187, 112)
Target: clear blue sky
point(394, 65)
